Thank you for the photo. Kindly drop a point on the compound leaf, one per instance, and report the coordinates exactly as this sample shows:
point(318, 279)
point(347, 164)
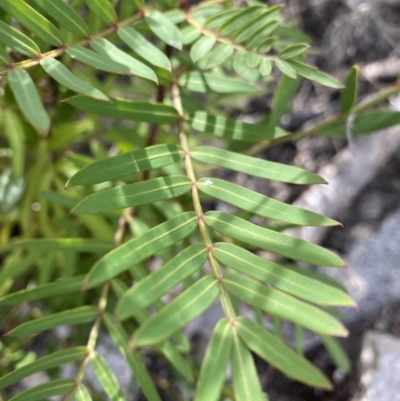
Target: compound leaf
point(273, 350)
point(140, 248)
point(282, 244)
point(136, 194)
point(184, 308)
point(120, 166)
point(148, 290)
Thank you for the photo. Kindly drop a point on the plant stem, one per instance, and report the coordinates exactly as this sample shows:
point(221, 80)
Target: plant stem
point(225, 300)
point(25, 64)
point(362, 106)
point(91, 344)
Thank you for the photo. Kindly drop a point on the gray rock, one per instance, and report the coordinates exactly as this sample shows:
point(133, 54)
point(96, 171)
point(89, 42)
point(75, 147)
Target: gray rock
point(373, 274)
point(380, 368)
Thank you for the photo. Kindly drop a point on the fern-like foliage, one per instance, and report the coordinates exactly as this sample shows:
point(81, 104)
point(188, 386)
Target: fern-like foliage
point(93, 245)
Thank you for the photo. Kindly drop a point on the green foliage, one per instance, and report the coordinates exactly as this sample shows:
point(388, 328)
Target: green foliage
point(102, 98)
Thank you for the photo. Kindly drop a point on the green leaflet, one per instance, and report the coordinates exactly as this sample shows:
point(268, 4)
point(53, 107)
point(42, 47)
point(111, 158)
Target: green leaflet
point(64, 244)
point(176, 16)
point(106, 48)
point(83, 314)
point(273, 241)
point(349, 94)
point(218, 55)
point(286, 68)
point(232, 129)
point(17, 41)
point(106, 377)
point(184, 308)
point(154, 113)
point(4, 56)
point(273, 350)
point(244, 375)
point(126, 164)
point(53, 360)
point(142, 247)
point(282, 100)
point(313, 74)
point(103, 9)
point(253, 60)
point(95, 60)
point(254, 25)
point(28, 99)
point(337, 353)
point(203, 82)
point(293, 51)
point(364, 123)
point(65, 15)
point(254, 166)
point(33, 21)
point(46, 390)
point(64, 286)
point(189, 34)
point(179, 362)
point(164, 29)
point(143, 48)
point(261, 205)
point(140, 193)
point(152, 287)
point(202, 47)
point(14, 132)
point(277, 303)
point(236, 22)
point(280, 277)
point(213, 368)
point(265, 46)
point(82, 394)
point(218, 19)
point(239, 62)
point(120, 337)
point(65, 77)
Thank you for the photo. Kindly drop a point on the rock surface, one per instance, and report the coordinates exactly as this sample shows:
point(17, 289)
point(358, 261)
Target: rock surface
point(380, 368)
